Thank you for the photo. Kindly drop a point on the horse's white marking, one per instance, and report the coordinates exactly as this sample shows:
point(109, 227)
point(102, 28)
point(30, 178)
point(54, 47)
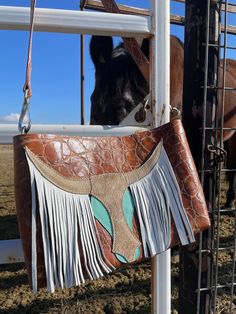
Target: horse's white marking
point(128, 96)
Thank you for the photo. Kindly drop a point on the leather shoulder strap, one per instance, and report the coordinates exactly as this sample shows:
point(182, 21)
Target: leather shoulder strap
point(131, 43)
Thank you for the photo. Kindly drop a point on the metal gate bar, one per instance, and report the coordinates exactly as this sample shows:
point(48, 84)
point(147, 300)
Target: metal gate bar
point(218, 246)
point(200, 66)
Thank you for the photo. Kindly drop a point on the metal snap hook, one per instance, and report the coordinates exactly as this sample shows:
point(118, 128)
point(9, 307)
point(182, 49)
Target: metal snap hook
point(24, 128)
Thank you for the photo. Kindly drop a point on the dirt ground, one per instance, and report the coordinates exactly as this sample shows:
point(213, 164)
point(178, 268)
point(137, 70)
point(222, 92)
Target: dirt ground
point(125, 291)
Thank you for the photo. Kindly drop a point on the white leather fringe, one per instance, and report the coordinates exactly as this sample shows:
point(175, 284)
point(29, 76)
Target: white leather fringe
point(156, 196)
point(65, 218)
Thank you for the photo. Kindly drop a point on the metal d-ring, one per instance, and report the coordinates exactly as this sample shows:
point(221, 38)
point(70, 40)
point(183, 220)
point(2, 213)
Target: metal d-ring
point(24, 128)
point(175, 111)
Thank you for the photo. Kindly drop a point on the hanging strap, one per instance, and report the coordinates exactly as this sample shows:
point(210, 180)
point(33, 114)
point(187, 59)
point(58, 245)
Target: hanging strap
point(27, 85)
point(130, 43)
point(25, 127)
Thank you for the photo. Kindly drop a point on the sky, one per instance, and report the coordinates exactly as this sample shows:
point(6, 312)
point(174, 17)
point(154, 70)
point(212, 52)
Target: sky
point(56, 68)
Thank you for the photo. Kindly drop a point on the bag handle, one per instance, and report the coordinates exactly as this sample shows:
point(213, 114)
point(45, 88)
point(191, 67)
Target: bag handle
point(27, 86)
point(131, 43)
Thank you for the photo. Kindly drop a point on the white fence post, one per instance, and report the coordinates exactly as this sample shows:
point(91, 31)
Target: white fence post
point(160, 88)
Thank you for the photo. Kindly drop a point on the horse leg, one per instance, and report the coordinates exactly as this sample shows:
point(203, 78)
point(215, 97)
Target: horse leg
point(231, 164)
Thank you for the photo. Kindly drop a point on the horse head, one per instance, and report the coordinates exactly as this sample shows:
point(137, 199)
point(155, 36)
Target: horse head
point(119, 85)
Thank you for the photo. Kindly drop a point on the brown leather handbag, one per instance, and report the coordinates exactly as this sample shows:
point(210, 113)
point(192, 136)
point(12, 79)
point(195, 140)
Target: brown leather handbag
point(87, 205)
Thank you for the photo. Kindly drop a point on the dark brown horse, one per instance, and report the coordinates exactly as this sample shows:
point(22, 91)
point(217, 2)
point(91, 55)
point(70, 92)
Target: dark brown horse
point(119, 87)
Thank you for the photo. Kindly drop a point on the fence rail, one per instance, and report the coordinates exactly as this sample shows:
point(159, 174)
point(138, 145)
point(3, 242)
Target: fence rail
point(96, 4)
point(174, 19)
point(11, 251)
point(7, 131)
point(75, 22)
point(97, 23)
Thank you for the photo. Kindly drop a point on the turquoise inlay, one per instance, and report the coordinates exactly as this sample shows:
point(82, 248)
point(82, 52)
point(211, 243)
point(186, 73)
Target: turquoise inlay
point(102, 215)
point(121, 258)
point(128, 208)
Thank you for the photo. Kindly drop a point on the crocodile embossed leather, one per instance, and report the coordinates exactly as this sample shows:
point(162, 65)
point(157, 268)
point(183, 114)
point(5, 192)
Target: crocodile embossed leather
point(87, 205)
